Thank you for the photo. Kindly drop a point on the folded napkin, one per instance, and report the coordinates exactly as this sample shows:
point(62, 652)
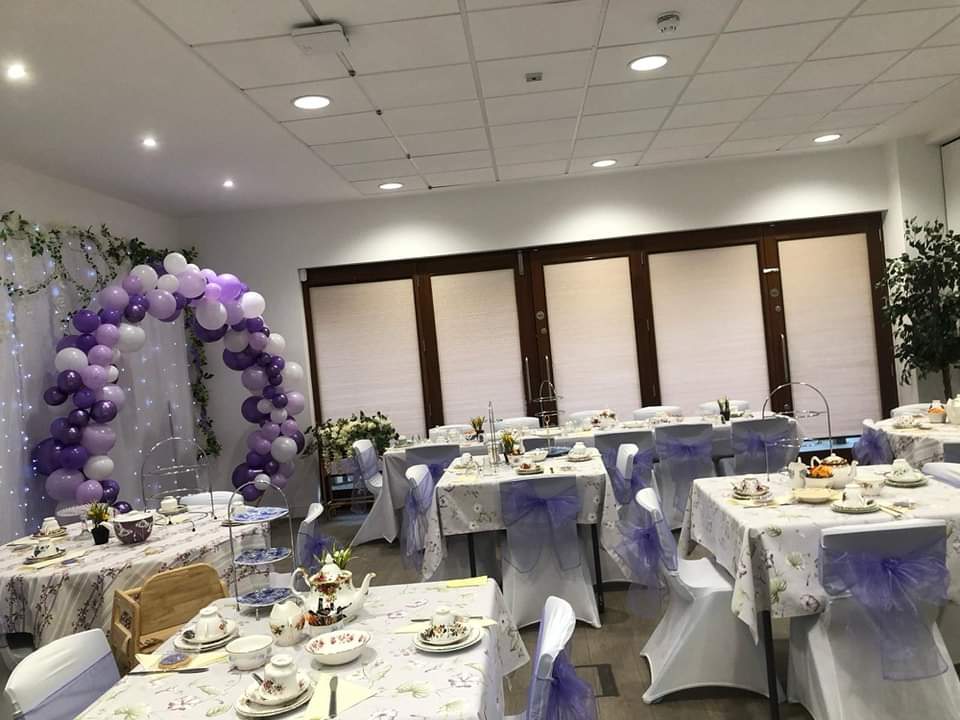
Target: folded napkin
point(944, 471)
point(151, 661)
point(416, 627)
point(348, 695)
point(467, 582)
point(70, 555)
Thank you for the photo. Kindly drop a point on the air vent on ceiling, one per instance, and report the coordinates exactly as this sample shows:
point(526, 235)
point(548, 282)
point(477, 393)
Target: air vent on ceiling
point(667, 23)
point(320, 39)
point(533, 77)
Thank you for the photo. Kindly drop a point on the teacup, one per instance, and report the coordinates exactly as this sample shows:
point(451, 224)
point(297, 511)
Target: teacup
point(853, 495)
point(210, 625)
point(870, 486)
point(445, 627)
point(49, 526)
point(280, 676)
point(901, 467)
point(748, 485)
point(578, 449)
point(45, 549)
point(169, 504)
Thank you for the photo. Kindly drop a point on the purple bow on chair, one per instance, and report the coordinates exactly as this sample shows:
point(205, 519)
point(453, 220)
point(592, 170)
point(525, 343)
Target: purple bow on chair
point(873, 448)
point(892, 589)
point(533, 521)
point(644, 549)
point(570, 698)
point(625, 488)
point(687, 460)
point(414, 527)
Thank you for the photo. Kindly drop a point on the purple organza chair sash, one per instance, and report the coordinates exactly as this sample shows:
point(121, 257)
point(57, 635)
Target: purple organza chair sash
point(413, 529)
point(624, 489)
point(893, 591)
point(570, 698)
point(753, 448)
point(367, 462)
point(74, 696)
point(646, 547)
point(533, 521)
point(685, 458)
point(873, 448)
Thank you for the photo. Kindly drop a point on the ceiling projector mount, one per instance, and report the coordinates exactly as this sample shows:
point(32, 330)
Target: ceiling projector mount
point(668, 22)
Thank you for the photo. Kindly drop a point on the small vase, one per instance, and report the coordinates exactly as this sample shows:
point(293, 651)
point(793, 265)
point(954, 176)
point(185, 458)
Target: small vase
point(100, 534)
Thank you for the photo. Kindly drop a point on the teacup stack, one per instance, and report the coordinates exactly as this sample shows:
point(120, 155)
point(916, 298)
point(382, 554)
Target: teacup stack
point(284, 688)
point(446, 632)
point(208, 632)
point(902, 475)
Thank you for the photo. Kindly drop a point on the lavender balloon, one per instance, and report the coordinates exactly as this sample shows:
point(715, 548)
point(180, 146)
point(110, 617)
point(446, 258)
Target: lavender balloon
point(253, 378)
point(101, 354)
point(191, 283)
point(112, 393)
point(94, 376)
point(296, 403)
point(270, 430)
point(132, 284)
point(98, 439)
point(162, 304)
point(62, 484)
point(113, 297)
point(89, 491)
point(258, 444)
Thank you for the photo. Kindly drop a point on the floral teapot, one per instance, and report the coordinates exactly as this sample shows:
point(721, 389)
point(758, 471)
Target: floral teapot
point(331, 596)
point(952, 407)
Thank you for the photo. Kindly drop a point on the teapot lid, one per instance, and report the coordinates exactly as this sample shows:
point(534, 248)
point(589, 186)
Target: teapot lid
point(330, 571)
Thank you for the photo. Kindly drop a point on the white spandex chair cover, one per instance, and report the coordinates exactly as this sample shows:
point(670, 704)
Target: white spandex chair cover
point(61, 679)
point(651, 411)
point(951, 452)
point(517, 422)
point(582, 415)
point(835, 668)
point(911, 409)
point(440, 431)
point(712, 408)
point(201, 499)
point(759, 443)
point(525, 590)
point(435, 457)
point(698, 641)
point(674, 475)
point(455, 563)
point(381, 520)
point(308, 531)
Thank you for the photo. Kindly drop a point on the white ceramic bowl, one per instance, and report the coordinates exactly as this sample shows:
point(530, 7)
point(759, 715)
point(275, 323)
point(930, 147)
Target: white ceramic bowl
point(538, 455)
point(339, 647)
point(249, 652)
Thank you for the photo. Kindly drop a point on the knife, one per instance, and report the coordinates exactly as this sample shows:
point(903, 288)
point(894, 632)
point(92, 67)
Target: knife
point(160, 672)
point(333, 698)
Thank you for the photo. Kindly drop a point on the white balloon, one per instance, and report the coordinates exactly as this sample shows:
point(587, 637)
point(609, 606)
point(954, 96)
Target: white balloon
point(252, 304)
point(265, 406)
point(113, 372)
point(292, 372)
point(211, 314)
point(147, 275)
point(262, 481)
point(276, 344)
point(175, 263)
point(116, 356)
point(192, 266)
point(100, 467)
point(132, 338)
point(70, 359)
point(168, 283)
point(278, 415)
point(283, 449)
point(236, 340)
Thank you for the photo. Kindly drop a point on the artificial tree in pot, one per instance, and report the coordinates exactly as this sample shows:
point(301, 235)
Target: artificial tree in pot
point(923, 302)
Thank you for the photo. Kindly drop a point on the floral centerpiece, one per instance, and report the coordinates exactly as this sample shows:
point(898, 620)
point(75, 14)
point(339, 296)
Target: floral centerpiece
point(510, 442)
point(724, 405)
point(99, 513)
point(334, 439)
point(604, 417)
point(477, 424)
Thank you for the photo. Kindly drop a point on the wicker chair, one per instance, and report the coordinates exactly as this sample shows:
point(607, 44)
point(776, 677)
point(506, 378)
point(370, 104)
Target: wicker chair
point(146, 616)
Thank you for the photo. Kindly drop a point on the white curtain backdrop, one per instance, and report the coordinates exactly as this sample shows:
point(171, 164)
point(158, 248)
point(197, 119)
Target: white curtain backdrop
point(158, 402)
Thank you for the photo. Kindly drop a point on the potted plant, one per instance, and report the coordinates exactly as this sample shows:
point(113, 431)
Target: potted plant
point(724, 405)
point(334, 439)
point(923, 302)
point(99, 513)
point(511, 444)
point(477, 424)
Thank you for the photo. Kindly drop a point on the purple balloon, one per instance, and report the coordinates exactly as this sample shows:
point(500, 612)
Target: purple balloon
point(132, 284)
point(67, 341)
point(295, 402)
point(208, 336)
point(89, 491)
point(288, 427)
point(161, 304)
point(45, 457)
point(94, 376)
point(270, 392)
point(275, 379)
point(69, 381)
point(54, 396)
point(255, 460)
point(235, 361)
point(230, 288)
point(86, 342)
point(278, 363)
point(138, 299)
point(84, 398)
point(73, 457)
point(103, 411)
point(100, 354)
point(300, 440)
point(78, 418)
point(212, 291)
point(171, 318)
point(112, 393)
point(254, 324)
point(238, 326)
point(99, 439)
point(270, 430)
point(191, 283)
point(58, 428)
point(280, 401)
point(279, 480)
point(250, 493)
point(113, 297)
point(111, 490)
point(122, 507)
point(209, 275)
point(85, 320)
point(135, 312)
point(112, 316)
point(181, 300)
point(257, 443)
point(263, 359)
point(265, 330)
point(62, 484)
point(271, 466)
point(258, 341)
point(107, 335)
point(250, 412)
point(253, 378)
point(243, 474)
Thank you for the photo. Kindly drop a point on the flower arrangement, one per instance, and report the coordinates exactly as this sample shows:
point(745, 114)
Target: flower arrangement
point(477, 423)
point(510, 441)
point(724, 404)
point(324, 550)
point(98, 513)
point(334, 439)
point(604, 416)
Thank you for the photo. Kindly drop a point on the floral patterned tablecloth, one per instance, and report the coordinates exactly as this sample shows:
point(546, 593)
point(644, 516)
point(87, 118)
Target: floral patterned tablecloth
point(772, 552)
point(918, 446)
point(59, 600)
point(408, 684)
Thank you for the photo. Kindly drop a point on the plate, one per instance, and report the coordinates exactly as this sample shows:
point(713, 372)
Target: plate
point(35, 560)
point(247, 708)
point(265, 596)
point(869, 507)
point(62, 532)
point(426, 635)
point(813, 496)
point(180, 509)
point(257, 515)
point(531, 471)
point(262, 556)
point(472, 639)
point(254, 696)
point(557, 451)
point(580, 458)
point(181, 643)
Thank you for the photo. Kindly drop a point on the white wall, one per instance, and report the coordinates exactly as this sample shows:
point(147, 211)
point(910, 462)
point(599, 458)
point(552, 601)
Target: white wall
point(951, 181)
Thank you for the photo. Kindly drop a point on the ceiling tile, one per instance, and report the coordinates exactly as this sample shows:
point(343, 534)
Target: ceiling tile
point(711, 113)
point(836, 72)
point(800, 103)
point(879, 6)
point(749, 82)
point(560, 71)
point(532, 153)
point(383, 169)
point(351, 12)
point(677, 154)
point(534, 106)
point(763, 13)
point(434, 118)
point(340, 128)
point(771, 127)
point(873, 33)
point(748, 147)
point(620, 123)
point(345, 97)
point(530, 30)
point(531, 170)
point(533, 132)
point(455, 161)
point(360, 151)
point(445, 142)
point(806, 139)
point(897, 91)
point(611, 65)
point(222, 20)
point(633, 96)
point(680, 137)
point(426, 86)
point(950, 35)
point(926, 62)
point(371, 187)
point(858, 116)
point(629, 21)
point(490, 4)
point(271, 61)
point(770, 46)
point(460, 177)
point(624, 160)
point(407, 44)
point(633, 142)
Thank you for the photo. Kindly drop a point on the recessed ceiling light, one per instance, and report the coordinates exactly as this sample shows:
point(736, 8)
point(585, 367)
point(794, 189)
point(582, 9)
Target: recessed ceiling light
point(391, 186)
point(603, 163)
point(311, 102)
point(149, 141)
point(228, 183)
point(832, 137)
point(16, 71)
point(648, 63)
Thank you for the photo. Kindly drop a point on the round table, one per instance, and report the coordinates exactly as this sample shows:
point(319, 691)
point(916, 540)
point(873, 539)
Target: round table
point(921, 443)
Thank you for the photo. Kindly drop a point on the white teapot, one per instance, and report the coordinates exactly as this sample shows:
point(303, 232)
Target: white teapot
point(952, 407)
point(331, 595)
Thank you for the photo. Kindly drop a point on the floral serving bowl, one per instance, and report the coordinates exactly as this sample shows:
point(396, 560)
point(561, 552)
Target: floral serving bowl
point(133, 527)
point(338, 648)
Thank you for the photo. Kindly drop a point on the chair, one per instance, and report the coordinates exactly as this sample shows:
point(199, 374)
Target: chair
point(712, 408)
point(307, 533)
point(380, 522)
point(911, 409)
point(440, 431)
point(202, 499)
point(698, 642)
point(651, 411)
point(873, 447)
point(435, 457)
point(761, 444)
point(618, 451)
point(420, 504)
point(876, 651)
point(684, 453)
point(951, 452)
point(146, 616)
point(63, 678)
point(542, 551)
point(517, 422)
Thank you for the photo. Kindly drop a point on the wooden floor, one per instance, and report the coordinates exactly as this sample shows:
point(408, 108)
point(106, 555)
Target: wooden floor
point(616, 644)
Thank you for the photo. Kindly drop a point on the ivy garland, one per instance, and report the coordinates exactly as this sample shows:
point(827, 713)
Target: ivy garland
point(106, 255)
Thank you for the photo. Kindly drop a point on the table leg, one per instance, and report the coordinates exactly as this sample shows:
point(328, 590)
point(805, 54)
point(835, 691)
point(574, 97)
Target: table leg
point(598, 589)
point(473, 555)
point(766, 629)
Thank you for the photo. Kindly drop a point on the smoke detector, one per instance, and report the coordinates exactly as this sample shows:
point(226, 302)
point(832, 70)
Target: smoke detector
point(667, 23)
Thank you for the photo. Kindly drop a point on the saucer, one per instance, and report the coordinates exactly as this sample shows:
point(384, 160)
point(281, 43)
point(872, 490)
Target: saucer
point(250, 708)
point(472, 638)
point(579, 458)
point(180, 509)
point(868, 507)
point(59, 533)
point(535, 470)
point(434, 637)
point(255, 693)
point(52, 556)
point(182, 643)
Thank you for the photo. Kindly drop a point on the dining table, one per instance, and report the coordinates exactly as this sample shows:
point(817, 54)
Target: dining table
point(74, 592)
point(392, 678)
point(920, 442)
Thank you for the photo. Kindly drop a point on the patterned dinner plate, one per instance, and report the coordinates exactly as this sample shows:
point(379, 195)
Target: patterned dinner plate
point(265, 596)
point(53, 556)
point(869, 507)
point(262, 556)
point(472, 638)
point(257, 515)
point(246, 707)
point(530, 471)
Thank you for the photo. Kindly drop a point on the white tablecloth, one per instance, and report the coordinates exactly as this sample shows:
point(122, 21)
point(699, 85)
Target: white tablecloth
point(918, 446)
point(408, 684)
point(772, 552)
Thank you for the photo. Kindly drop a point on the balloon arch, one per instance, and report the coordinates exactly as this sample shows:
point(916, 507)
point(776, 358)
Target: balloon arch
point(75, 457)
